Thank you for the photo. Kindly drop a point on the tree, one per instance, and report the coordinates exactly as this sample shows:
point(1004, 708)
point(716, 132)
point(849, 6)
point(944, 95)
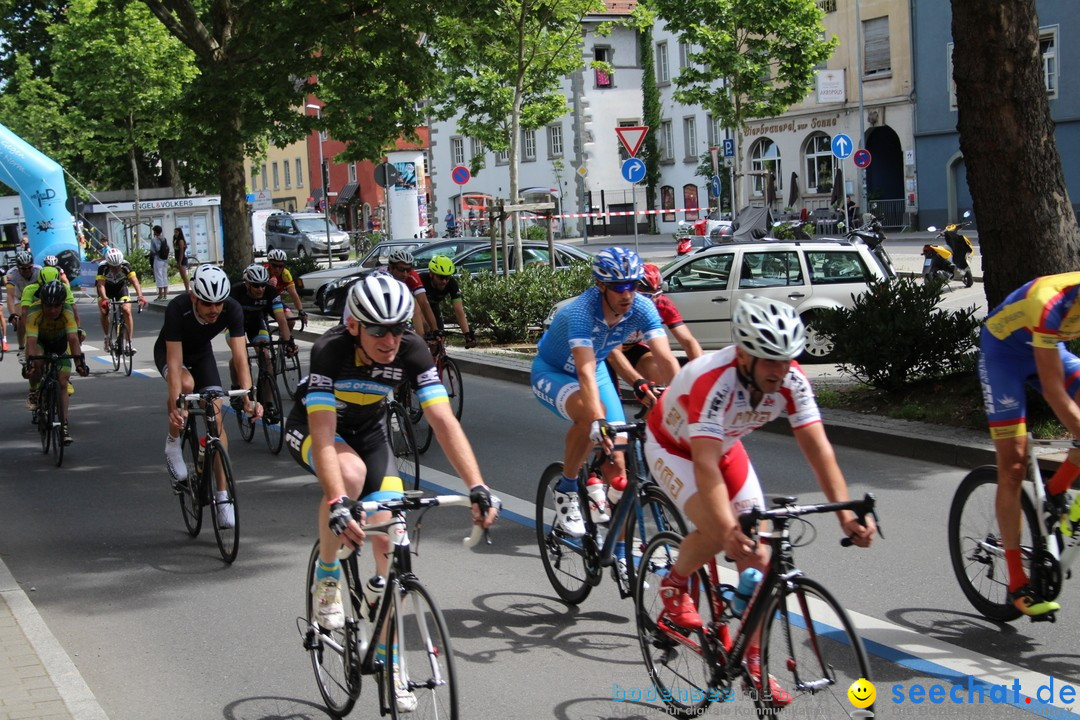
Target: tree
point(1013, 167)
point(506, 69)
point(749, 58)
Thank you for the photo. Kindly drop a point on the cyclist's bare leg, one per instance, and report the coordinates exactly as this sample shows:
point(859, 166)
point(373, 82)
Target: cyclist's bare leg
point(103, 315)
point(578, 443)
point(129, 321)
point(223, 435)
point(1011, 470)
point(62, 395)
point(648, 369)
point(353, 473)
point(20, 326)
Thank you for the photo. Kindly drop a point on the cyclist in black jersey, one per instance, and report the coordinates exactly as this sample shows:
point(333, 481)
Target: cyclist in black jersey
point(336, 429)
point(440, 284)
point(260, 301)
point(113, 277)
point(185, 358)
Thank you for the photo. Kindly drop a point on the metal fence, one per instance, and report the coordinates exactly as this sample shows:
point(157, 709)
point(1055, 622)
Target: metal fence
point(890, 212)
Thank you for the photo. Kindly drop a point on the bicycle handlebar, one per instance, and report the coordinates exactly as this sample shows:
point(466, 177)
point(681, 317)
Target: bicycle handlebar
point(409, 502)
point(54, 356)
point(749, 520)
point(185, 399)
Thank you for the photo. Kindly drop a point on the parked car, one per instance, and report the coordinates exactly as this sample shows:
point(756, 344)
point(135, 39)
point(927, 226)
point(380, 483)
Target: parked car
point(706, 285)
point(303, 234)
point(314, 283)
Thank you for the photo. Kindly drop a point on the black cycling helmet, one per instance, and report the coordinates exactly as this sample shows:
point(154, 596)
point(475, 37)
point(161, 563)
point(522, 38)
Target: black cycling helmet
point(53, 293)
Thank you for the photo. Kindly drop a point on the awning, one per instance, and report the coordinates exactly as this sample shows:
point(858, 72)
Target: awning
point(346, 193)
point(316, 194)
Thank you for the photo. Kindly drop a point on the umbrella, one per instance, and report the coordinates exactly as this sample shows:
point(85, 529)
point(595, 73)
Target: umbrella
point(837, 189)
point(793, 191)
point(770, 190)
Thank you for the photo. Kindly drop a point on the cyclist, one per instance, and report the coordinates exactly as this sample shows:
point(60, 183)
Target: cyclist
point(439, 284)
point(51, 328)
point(694, 449)
point(260, 301)
point(337, 428)
point(282, 281)
point(569, 378)
point(15, 281)
point(113, 277)
point(47, 274)
point(400, 266)
point(1023, 343)
point(184, 357)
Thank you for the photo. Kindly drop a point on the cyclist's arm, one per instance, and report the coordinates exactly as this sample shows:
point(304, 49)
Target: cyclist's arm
point(456, 447)
point(715, 503)
point(621, 364)
point(687, 341)
point(818, 451)
point(282, 323)
point(174, 365)
point(295, 297)
point(242, 371)
point(101, 290)
point(138, 287)
point(459, 314)
point(9, 290)
point(424, 317)
point(1052, 378)
point(585, 362)
point(663, 357)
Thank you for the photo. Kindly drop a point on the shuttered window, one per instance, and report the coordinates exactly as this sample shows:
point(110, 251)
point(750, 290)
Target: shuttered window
point(876, 60)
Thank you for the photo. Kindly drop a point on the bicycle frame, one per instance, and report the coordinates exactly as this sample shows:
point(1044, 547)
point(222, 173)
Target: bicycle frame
point(1064, 552)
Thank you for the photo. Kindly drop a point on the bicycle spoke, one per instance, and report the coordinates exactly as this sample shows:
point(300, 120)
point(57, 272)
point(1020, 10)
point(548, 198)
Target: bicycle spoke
point(223, 509)
point(421, 677)
point(563, 557)
point(333, 656)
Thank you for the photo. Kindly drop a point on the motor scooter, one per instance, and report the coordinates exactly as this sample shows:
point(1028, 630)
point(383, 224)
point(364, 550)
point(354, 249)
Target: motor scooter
point(945, 263)
point(873, 236)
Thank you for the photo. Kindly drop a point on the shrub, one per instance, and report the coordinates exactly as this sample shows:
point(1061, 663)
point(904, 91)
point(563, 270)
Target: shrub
point(895, 335)
point(302, 265)
point(140, 263)
point(513, 309)
point(537, 233)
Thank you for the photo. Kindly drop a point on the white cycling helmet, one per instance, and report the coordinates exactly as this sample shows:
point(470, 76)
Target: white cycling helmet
point(401, 256)
point(276, 255)
point(256, 274)
point(24, 259)
point(768, 329)
point(114, 258)
point(210, 284)
point(51, 261)
point(378, 299)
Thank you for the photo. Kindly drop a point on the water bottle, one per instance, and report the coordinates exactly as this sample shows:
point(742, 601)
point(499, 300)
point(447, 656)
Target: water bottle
point(598, 504)
point(615, 492)
point(202, 453)
point(372, 593)
point(748, 580)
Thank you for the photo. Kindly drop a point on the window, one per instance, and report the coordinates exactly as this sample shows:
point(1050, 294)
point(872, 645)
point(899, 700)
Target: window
point(824, 64)
point(712, 131)
point(770, 269)
point(299, 173)
point(667, 202)
point(274, 169)
point(684, 55)
point(764, 159)
point(555, 148)
point(603, 77)
point(833, 267)
point(663, 74)
point(819, 163)
point(264, 176)
point(352, 172)
point(876, 60)
point(667, 142)
point(502, 157)
point(288, 174)
point(457, 151)
point(477, 149)
point(254, 177)
point(1048, 50)
point(709, 274)
point(690, 138)
point(528, 145)
point(690, 200)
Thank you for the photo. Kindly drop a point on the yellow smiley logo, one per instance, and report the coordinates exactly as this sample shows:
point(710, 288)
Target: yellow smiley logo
point(862, 693)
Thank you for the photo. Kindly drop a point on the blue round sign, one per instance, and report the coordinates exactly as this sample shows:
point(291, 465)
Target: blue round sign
point(862, 158)
point(714, 185)
point(842, 145)
point(460, 174)
point(633, 169)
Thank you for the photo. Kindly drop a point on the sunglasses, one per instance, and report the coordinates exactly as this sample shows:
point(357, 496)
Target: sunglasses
point(257, 286)
point(379, 331)
point(401, 268)
point(622, 287)
point(277, 266)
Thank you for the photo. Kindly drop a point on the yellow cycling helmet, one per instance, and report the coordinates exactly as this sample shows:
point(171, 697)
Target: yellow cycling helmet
point(48, 274)
point(441, 265)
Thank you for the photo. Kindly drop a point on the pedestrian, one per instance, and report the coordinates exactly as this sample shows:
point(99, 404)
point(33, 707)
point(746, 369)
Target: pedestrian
point(179, 244)
point(159, 252)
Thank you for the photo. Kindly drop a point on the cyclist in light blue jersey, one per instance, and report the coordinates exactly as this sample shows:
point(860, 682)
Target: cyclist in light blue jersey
point(570, 379)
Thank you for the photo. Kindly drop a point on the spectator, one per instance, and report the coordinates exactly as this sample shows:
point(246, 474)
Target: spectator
point(159, 252)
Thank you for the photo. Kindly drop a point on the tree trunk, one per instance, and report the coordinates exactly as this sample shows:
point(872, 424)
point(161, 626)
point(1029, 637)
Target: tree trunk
point(234, 217)
point(1027, 226)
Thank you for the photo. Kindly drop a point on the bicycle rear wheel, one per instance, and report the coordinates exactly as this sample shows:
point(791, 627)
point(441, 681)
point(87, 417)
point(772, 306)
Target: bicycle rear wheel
point(400, 431)
point(335, 657)
point(190, 488)
point(975, 548)
point(564, 557)
point(810, 646)
point(451, 380)
point(273, 412)
point(419, 657)
point(57, 441)
point(228, 538)
point(289, 369)
point(125, 348)
point(655, 513)
point(679, 662)
point(46, 414)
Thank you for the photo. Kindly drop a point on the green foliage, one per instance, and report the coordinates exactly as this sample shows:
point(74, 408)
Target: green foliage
point(536, 232)
point(895, 335)
point(303, 265)
point(650, 110)
point(513, 309)
point(144, 270)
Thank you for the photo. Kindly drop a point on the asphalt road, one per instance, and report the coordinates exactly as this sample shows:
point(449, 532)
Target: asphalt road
point(160, 628)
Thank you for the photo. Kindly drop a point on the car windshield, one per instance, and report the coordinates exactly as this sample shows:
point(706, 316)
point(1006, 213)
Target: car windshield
point(312, 225)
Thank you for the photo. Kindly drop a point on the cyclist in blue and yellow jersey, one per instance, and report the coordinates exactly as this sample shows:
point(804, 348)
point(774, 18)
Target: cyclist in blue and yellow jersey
point(16, 279)
point(51, 328)
point(569, 376)
point(337, 428)
point(1023, 343)
point(112, 280)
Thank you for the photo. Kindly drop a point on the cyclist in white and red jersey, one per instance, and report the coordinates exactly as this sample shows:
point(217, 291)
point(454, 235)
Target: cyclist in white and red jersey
point(693, 446)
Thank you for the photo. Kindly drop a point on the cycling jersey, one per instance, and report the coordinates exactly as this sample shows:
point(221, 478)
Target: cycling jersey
point(412, 279)
point(257, 309)
point(16, 283)
point(1041, 313)
point(116, 279)
point(356, 390)
point(669, 315)
point(451, 290)
point(282, 283)
point(51, 333)
point(181, 325)
point(30, 293)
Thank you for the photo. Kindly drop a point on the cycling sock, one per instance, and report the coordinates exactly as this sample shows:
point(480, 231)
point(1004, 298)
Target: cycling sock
point(1063, 479)
point(620, 548)
point(566, 485)
point(326, 570)
point(1017, 577)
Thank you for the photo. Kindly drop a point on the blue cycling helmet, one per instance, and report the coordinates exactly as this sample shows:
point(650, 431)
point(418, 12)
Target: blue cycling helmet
point(616, 264)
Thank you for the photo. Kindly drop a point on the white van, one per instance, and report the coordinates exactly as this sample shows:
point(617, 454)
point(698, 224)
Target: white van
point(258, 230)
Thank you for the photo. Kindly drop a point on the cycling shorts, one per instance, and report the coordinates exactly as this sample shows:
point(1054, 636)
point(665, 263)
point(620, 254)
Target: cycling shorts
point(635, 352)
point(58, 347)
point(1004, 372)
point(675, 474)
point(116, 292)
point(382, 482)
point(203, 368)
point(553, 387)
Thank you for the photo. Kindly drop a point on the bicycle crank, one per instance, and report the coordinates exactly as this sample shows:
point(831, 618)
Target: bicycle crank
point(1046, 574)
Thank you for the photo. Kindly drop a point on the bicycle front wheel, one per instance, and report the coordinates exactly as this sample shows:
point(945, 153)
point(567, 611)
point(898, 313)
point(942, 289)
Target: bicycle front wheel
point(678, 661)
point(46, 414)
point(335, 658)
point(190, 488)
point(420, 674)
point(243, 420)
point(421, 428)
point(809, 645)
point(273, 412)
point(563, 556)
point(655, 513)
point(975, 546)
point(289, 368)
point(57, 441)
point(400, 431)
point(224, 513)
point(114, 344)
point(451, 380)
point(125, 348)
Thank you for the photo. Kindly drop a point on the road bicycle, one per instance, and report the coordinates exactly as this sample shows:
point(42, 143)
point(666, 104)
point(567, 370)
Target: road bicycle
point(266, 392)
point(405, 619)
point(975, 546)
point(399, 429)
point(117, 342)
point(47, 417)
point(288, 368)
point(808, 642)
point(209, 469)
point(450, 375)
point(574, 566)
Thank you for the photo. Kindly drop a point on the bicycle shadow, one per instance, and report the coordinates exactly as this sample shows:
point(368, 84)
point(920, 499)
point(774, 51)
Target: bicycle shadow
point(270, 707)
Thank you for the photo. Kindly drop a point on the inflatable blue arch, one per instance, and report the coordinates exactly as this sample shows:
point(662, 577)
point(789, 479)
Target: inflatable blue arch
point(39, 180)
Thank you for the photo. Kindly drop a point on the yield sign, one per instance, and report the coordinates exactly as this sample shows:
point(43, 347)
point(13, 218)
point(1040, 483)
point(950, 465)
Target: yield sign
point(631, 137)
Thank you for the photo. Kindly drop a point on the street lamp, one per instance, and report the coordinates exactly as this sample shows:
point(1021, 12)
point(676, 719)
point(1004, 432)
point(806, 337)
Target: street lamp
point(325, 171)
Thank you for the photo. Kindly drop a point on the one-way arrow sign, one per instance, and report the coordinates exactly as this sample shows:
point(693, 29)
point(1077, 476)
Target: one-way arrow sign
point(841, 145)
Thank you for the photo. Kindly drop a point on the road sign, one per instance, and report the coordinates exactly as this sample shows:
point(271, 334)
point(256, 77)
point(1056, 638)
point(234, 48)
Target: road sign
point(631, 137)
point(384, 171)
point(842, 145)
point(633, 169)
point(714, 185)
point(460, 174)
point(583, 171)
point(729, 148)
point(862, 158)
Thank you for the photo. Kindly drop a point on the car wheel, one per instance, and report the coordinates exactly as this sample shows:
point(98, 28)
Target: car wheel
point(819, 349)
point(301, 252)
point(320, 300)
